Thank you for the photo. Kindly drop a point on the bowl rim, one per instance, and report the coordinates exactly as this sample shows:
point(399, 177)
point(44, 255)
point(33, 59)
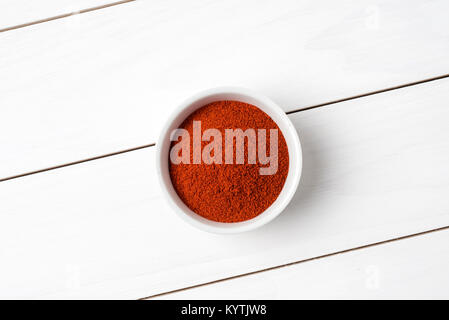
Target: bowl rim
point(285, 125)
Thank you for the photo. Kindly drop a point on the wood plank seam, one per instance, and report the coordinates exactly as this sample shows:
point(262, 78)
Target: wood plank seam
point(65, 15)
point(371, 93)
point(379, 243)
point(79, 161)
point(288, 112)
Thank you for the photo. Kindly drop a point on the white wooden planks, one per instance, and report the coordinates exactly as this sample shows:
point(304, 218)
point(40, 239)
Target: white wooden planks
point(374, 169)
point(415, 268)
point(105, 81)
point(19, 12)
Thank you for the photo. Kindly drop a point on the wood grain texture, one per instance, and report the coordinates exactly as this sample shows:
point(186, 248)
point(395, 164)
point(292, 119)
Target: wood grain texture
point(374, 169)
point(104, 81)
point(22, 12)
point(415, 268)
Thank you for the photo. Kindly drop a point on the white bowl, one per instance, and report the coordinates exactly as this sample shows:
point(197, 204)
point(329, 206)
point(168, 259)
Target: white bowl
point(284, 124)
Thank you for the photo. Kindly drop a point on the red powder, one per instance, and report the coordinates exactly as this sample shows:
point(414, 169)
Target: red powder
point(229, 192)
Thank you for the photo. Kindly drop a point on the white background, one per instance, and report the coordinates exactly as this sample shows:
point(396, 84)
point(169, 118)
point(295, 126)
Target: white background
point(87, 85)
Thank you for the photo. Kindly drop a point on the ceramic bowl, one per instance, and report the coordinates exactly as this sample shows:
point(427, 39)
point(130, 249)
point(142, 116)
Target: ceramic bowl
point(243, 95)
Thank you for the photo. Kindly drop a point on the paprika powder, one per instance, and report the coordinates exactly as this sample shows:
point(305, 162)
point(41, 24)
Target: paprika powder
point(225, 192)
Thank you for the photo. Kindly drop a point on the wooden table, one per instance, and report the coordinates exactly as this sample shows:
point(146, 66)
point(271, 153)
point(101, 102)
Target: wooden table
point(85, 87)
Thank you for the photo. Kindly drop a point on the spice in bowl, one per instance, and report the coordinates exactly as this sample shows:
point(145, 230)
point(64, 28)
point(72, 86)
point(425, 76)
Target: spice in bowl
point(228, 161)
